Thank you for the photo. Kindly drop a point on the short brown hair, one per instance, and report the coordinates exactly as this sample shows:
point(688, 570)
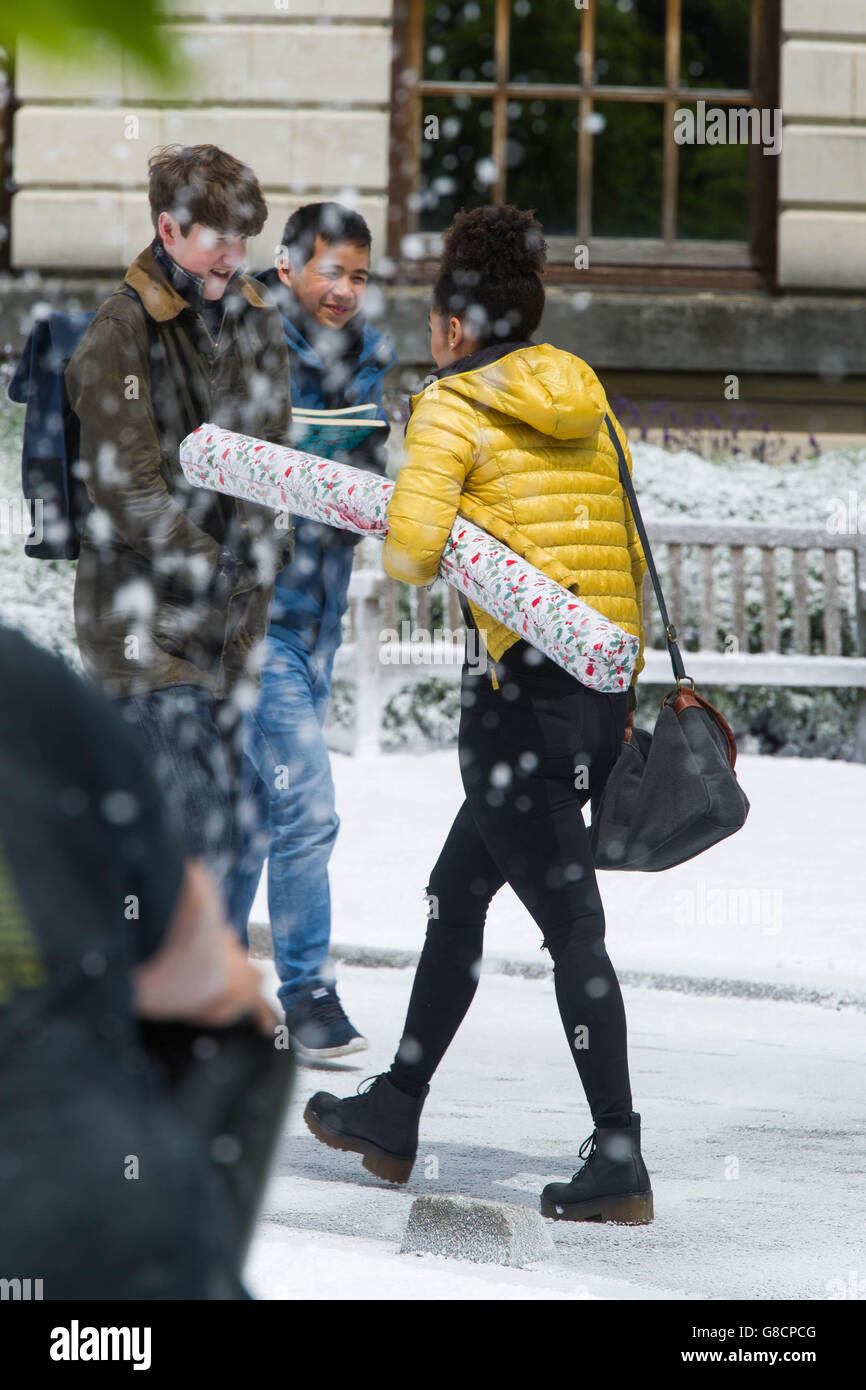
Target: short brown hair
point(202, 183)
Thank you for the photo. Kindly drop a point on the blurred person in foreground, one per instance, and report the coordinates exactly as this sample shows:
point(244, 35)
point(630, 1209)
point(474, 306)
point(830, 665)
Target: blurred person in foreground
point(105, 1190)
point(175, 583)
point(512, 435)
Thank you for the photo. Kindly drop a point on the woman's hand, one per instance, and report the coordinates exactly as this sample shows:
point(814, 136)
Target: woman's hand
point(629, 726)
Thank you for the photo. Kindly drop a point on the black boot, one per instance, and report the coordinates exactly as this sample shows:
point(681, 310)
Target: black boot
point(612, 1185)
point(381, 1123)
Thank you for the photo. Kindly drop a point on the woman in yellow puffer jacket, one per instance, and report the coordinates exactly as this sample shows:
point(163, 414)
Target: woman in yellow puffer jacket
point(511, 434)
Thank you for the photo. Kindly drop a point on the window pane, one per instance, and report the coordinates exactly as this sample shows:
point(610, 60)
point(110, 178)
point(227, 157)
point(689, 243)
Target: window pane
point(456, 168)
point(713, 198)
point(542, 162)
point(627, 169)
point(545, 41)
point(630, 43)
point(458, 41)
point(715, 45)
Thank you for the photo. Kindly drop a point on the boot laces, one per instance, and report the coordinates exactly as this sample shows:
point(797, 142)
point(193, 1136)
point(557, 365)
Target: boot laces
point(373, 1080)
point(592, 1141)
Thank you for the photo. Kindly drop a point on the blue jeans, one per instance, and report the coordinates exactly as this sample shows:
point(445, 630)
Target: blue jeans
point(288, 815)
point(195, 744)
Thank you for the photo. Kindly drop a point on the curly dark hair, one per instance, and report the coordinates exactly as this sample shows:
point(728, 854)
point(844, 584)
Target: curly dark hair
point(490, 273)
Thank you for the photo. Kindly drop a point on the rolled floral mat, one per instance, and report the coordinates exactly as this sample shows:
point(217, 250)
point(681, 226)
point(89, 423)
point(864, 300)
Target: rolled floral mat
point(578, 638)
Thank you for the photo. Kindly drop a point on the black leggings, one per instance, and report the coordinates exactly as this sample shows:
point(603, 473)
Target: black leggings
point(532, 753)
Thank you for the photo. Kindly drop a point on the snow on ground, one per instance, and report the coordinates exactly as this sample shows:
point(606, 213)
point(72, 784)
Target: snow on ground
point(753, 1126)
point(781, 902)
point(753, 1134)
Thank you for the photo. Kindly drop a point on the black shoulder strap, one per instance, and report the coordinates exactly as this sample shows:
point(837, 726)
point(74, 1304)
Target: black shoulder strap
point(628, 487)
point(468, 620)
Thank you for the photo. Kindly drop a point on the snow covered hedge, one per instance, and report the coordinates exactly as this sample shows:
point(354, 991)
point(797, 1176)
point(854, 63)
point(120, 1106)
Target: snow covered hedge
point(810, 492)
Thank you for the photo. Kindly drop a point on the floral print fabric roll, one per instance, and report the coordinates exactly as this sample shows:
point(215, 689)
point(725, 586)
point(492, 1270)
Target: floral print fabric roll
point(589, 646)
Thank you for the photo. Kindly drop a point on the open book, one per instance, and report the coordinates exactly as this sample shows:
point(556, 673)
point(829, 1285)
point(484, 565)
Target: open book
point(324, 431)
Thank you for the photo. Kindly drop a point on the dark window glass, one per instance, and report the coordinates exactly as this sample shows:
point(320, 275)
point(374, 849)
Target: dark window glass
point(630, 43)
point(458, 41)
point(627, 169)
point(457, 168)
point(715, 44)
point(713, 197)
point(545, 41)
point(542, 161)
point(541, 152)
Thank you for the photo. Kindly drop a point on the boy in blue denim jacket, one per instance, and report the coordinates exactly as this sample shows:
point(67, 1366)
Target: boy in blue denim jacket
point(337, 359)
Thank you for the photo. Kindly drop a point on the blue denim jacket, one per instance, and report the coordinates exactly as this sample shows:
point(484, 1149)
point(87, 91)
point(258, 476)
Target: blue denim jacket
point(311, 593)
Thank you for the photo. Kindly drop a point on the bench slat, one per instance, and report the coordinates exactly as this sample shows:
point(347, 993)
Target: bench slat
point(389, 603)
point(757, 533)
point(650, 612)
point(708, 618)
point(715, 668)
point(455, 616)
point(770, 625)
point(422, 609)
point(675, 584)
point(801, 604)
point(738, 581)
point(831, 603)
point(860, 585)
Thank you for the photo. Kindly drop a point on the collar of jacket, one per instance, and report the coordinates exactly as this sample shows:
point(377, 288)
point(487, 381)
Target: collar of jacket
point(163, 301)
point(475, 360)
point(190, 286)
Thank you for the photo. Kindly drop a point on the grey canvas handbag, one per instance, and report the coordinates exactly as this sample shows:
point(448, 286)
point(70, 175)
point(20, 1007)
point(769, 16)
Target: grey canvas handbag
point(672, 793)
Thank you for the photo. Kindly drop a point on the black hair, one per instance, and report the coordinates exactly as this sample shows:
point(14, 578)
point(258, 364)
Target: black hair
point(330, 221)
point(490, 273)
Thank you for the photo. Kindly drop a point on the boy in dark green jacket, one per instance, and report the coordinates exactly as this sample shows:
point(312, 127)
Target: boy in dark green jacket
point(174, 584)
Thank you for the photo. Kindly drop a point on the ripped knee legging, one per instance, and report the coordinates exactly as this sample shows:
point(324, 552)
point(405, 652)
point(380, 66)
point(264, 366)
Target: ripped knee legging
point(532, 753)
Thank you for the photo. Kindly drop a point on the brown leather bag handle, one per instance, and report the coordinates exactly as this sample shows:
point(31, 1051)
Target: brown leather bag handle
point(682, 698)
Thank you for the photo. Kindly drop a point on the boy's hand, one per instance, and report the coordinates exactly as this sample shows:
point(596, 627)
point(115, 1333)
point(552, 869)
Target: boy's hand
point(223, 579)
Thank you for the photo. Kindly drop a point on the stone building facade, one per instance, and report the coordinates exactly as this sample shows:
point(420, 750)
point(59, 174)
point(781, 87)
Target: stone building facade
point(312, 93)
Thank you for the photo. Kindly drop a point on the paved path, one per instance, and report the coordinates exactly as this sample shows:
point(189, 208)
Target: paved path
point(753, 1136)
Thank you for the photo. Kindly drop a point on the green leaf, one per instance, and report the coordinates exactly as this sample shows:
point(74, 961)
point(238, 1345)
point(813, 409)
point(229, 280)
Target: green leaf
point(65, 28)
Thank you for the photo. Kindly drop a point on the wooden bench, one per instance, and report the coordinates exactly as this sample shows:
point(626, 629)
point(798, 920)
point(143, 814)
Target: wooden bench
point(384, 652)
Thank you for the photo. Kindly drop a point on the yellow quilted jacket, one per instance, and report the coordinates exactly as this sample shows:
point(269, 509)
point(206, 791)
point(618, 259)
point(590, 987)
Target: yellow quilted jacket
point(520, 448)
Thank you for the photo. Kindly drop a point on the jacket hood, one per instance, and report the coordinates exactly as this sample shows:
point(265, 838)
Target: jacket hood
point(555, 392)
